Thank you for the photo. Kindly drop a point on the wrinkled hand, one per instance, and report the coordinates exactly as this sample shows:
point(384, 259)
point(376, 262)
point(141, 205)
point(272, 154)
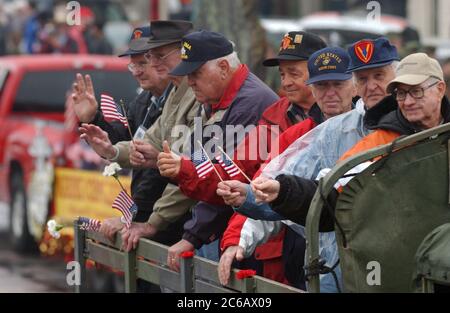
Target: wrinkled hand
point(110, 227)
point(265, 189)
point(169, 163)
point(83, 96)
point(98, 139)
point(226, 260)
point(142, 154)
point(233, 192)
point(173, 255)
point(131, 236)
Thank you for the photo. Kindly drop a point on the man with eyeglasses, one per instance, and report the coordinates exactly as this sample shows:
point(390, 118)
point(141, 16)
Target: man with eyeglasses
point(163, 220)
point(372, 64)
point(419, 90)
point(142, 112)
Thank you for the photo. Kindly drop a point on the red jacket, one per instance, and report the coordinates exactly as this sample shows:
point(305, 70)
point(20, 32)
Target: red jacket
point(271, 251)
point(265, 135)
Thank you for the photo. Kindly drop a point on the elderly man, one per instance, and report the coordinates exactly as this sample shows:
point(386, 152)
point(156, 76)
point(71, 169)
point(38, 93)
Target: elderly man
point(163, 55)
point(146, 185)
point(298, 105)
point(420, 93)
point(372, 64)
point(334, 89)
point(231, 96)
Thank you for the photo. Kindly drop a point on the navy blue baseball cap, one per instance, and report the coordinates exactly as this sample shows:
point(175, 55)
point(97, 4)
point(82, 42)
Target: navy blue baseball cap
point(369, 53)
point(330, 63)
point(138, 41)
point(199, 47)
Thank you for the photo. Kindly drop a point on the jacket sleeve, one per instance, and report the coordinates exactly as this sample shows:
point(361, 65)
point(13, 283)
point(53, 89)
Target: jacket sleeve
point(248, 233)
point(172, 205)
point(295, 197)
point(204, 189)
point(207, 224)
point(115, 129)
point(261, 211)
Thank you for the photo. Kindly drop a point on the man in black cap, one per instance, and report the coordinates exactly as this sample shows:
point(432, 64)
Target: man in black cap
point(146, 185)
point(165, 221)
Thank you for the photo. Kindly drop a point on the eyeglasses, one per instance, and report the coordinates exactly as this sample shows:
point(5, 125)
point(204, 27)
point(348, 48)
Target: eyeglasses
point(415, 92)
point(159, 58)
point(134, 67)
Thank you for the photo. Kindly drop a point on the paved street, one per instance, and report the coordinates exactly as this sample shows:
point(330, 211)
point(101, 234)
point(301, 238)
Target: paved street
point(29, 273)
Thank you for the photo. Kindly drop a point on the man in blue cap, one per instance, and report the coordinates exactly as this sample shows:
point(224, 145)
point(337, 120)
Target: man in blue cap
point(162, 48)
point(333, 90)
point(372, 63)
point(231, 96)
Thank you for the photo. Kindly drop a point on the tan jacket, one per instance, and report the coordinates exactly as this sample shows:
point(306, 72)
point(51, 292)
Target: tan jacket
point(180, 109)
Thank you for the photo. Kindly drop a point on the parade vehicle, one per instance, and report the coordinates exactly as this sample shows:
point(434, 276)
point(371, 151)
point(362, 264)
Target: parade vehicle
point(392, 220)
point(45, 170)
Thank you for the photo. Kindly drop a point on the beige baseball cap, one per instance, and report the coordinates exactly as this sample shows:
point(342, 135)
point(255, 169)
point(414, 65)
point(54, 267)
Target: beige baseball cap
point(414, 69)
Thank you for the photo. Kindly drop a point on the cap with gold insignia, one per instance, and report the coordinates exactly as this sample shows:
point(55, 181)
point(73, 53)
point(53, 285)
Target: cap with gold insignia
point(199, 47)
point(138, 41)
point(328, 64)
point(296, 46)
point(369, 53)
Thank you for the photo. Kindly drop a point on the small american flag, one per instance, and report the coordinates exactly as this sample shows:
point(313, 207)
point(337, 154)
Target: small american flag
point(227, 165)
point(111, 111)
point(126, 205)
point(87, 223)
point(201, 163)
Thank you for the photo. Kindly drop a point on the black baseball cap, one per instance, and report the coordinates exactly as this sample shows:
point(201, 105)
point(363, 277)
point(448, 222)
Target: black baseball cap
point(296, 46)
point(167, 32)
point(199, 47)
point(138, 41)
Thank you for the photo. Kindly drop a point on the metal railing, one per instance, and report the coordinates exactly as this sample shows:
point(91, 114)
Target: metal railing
point(148, 262)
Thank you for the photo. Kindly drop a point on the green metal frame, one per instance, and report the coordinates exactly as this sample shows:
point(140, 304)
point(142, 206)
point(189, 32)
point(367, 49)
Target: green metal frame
point(326, 185)
point(148, 262)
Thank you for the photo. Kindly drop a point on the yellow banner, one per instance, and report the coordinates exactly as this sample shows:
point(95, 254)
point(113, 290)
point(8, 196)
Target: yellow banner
point(86, 193)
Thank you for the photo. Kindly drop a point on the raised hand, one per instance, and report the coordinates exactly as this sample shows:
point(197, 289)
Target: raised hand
point(169, 163)
point(83, 96)
point(98, 139)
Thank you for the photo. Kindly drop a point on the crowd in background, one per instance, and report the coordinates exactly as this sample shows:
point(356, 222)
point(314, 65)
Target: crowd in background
point(30, 27)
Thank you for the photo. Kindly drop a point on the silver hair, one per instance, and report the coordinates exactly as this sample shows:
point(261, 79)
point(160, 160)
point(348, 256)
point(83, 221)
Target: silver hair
point(232, 59)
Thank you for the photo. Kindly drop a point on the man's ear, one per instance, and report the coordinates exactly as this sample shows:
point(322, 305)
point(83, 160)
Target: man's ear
point(224, 67)
point(441, 88)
